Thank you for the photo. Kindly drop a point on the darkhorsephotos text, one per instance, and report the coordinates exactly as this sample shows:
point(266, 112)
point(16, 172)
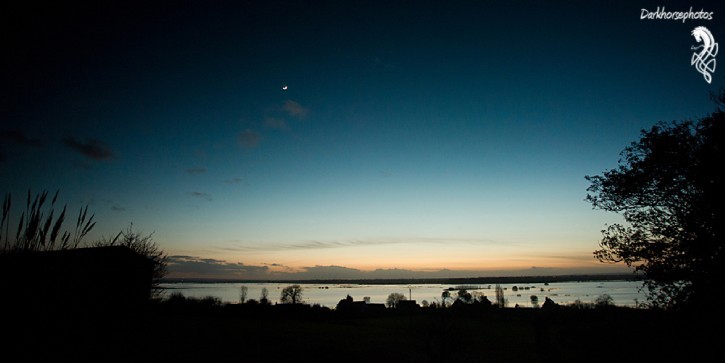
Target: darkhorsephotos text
point(676, 15)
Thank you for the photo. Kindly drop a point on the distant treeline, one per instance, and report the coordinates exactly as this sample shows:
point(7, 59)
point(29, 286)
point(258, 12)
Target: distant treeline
point(440, 281)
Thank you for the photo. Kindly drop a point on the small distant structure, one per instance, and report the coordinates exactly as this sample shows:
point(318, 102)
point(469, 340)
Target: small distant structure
point(82, 279)
point(407, 305)
point(366, 308)
point(348, 305)
point(480, 303)
point(549, 304)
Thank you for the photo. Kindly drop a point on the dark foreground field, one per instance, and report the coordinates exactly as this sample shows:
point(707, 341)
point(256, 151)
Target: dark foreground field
point(235, 334)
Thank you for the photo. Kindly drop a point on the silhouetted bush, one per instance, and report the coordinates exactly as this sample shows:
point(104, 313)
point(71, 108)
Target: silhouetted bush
point(484, 302)
point(465, 296)
point(604, 301)
point(578, 304)
point(143, 245)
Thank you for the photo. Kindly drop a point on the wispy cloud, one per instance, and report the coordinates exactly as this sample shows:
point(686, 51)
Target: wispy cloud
point(197, 267)
point(249, 139)
point(276, 123)
point(109, 203)
point(327, 272)
point(14, 140)
point(92, 148)
point(190, 266)
point(19, 137)
point(280, 269)
point(317, 244)
point(294, 109)
point(233, 181)
point(202, 195)
point(196, 171)
point(334, 272)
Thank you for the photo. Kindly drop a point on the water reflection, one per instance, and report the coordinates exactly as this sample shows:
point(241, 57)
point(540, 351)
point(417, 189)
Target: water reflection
point(624, 293)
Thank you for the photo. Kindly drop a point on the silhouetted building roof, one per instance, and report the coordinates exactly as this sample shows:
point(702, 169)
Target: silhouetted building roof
point(77, 279)
point(549, 304)
point(407, 304)
point(364, 307)
point(347, 305)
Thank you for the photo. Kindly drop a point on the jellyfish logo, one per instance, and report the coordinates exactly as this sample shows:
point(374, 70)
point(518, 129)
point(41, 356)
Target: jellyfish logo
point(704, 58)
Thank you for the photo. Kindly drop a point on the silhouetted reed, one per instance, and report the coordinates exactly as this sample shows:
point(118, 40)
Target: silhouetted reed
point(38, 230)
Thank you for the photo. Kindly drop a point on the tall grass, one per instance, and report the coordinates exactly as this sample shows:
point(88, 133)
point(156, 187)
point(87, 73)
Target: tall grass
point(38, 228)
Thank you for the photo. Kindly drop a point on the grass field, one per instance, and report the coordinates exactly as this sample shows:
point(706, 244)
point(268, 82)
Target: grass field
point(223, 334)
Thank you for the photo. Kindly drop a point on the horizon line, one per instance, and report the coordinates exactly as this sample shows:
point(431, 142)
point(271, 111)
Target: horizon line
point(633, 276)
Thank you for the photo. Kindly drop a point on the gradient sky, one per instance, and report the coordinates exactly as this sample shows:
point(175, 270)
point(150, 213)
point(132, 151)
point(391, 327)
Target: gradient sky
point(412, 138)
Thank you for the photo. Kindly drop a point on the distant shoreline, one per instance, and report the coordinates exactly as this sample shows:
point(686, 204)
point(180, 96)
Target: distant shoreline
point(441, 281)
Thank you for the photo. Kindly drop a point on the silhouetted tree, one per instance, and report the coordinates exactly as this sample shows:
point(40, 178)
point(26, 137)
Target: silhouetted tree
point(445, 296)
point(484, 302)
point(535, 301)
point(243, 294)
point(291, 295)
point(465, 296)
point(669, 188)
point(500, 300)
point(264, 298)
point(603, 301)
point(393, 299)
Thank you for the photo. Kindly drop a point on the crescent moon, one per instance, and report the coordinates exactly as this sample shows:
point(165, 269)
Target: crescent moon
point(284, 88)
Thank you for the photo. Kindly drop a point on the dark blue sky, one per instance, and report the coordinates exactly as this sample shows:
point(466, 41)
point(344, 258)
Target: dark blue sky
point(422, 135)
